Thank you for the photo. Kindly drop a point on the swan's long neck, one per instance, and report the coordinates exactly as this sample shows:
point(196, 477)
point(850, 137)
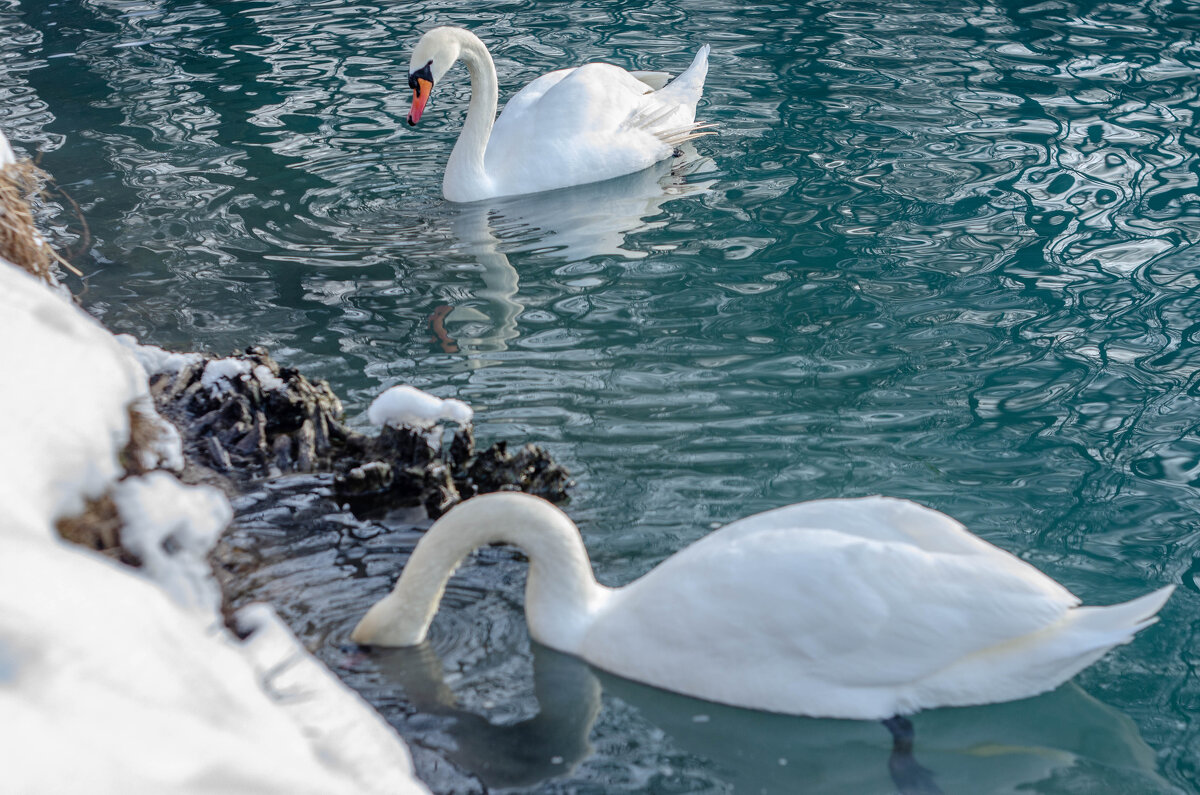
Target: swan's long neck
point(466, 165)
point(561, 594)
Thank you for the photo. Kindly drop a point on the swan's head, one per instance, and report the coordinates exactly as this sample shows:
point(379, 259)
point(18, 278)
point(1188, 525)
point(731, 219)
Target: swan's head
point(433, 56)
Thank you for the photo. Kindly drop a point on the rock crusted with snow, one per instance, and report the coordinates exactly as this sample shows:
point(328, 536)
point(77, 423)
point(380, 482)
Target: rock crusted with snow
point(245, 417)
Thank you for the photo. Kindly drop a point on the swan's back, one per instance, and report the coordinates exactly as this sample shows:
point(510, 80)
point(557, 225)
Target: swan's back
point(875, 518)
point(789, 611)
point(587, 124)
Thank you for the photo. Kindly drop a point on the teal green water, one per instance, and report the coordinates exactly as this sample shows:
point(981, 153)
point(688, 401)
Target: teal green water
point(938, 251)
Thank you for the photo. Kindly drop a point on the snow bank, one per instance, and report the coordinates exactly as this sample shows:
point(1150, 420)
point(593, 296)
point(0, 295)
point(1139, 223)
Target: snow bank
point(65, 405)
point(119, 680)
point(407, 405)
point(110, 688)
point(154, 359)
point(170, 528)
point(218, 376)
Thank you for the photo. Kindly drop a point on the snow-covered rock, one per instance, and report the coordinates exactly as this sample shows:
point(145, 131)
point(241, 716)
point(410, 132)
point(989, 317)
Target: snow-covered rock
point(170, 528)
point(220, 373)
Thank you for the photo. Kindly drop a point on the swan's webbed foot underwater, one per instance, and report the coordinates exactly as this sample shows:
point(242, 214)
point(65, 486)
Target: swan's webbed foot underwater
point(907, 773)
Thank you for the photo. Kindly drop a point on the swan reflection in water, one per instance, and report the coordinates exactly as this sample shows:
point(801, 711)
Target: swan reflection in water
point(572, 224)
point(1062, 741)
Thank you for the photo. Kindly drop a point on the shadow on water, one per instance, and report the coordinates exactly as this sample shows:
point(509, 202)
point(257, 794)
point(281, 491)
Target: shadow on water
point(1010, 747)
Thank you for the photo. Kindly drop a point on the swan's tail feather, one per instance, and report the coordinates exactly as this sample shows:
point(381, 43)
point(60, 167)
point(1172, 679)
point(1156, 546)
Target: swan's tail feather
point(653, 120)
point(682, 137)
point(1120, 622)
point(1043, 660)
point(1092, 631)
point(691, 132)
point(687, 88)
point(649, 117)
point(669, 114)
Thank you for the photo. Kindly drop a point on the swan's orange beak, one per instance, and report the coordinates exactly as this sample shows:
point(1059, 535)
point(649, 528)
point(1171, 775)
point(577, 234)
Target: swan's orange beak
point(421, 91)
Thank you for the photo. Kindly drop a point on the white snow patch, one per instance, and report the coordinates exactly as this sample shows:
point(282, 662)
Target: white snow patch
point(171, 527)
point(344, 730)
point(269, 380)
point(68, 388)
point(165, 451)
point(407, 405)
point(220, 373)
point(110, 688)
point(155, 360)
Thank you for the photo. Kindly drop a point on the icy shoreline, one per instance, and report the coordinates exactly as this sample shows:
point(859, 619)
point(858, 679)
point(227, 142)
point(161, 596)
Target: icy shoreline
point(121, 679)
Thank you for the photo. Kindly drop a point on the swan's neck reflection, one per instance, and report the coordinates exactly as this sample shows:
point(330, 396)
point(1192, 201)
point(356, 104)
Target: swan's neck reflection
point(546, 746)
point(491, 325)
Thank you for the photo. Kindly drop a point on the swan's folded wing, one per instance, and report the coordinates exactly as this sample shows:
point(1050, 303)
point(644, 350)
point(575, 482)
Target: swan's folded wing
point(815, 622)
point(884, 519)
point(521, 102)
point(572, 131)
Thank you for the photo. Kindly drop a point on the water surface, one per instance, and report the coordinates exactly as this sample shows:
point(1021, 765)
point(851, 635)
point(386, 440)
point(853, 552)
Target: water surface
point(944, 253)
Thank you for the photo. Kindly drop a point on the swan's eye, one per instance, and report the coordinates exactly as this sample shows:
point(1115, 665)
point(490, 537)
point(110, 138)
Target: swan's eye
point(424, 73)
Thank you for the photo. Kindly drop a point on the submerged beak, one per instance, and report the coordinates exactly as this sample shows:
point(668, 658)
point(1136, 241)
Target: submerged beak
point(421, 82)
point(420, 97)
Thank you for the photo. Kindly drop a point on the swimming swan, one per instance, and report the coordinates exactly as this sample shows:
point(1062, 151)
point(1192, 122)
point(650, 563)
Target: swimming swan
point(567, 127)
point(843, 608)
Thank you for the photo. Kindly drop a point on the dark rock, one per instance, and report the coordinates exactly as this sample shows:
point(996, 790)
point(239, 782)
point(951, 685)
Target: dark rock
point(271, 420)
point(367, 480)
point(217, 456)
point(530, 469)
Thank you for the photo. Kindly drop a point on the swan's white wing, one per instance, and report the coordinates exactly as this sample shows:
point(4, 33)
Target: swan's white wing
point(574, 128)
point(520, 103)
point(815, 621)
point(881, 519)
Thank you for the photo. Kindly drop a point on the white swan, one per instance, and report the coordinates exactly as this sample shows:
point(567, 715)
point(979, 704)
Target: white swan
point(845, 608)
point(567, 127)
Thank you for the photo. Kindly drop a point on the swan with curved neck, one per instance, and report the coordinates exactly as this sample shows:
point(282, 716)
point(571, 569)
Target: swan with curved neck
point(844, 608)
point(568, 127)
